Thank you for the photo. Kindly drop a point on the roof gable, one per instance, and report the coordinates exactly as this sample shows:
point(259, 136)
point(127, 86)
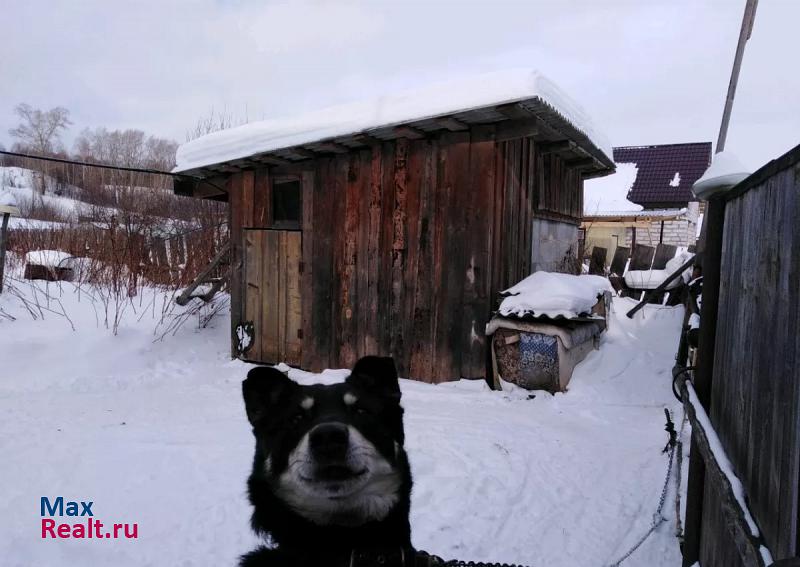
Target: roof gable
point(666, 172)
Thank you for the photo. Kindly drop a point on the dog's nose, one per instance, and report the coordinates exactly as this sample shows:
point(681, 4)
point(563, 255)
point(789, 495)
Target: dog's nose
point(329, 441)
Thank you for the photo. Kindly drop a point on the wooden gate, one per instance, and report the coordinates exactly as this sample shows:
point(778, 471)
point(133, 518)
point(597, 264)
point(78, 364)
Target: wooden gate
point(272, 302)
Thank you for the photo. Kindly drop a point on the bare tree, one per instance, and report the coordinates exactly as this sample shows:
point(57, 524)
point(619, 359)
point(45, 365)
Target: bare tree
point(214, 122)
point(40, 130)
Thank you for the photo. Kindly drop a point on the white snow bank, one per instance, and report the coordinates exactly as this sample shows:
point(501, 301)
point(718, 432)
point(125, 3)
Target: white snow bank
point(726, 170)
point(462, 94)
point(610, 193)
point(49, 258)
point(156, 433)
point(547, 294)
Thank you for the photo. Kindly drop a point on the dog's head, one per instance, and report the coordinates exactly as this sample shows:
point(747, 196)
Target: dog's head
point(333, 454)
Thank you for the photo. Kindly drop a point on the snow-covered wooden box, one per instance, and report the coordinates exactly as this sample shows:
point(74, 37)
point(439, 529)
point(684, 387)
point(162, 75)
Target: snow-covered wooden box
point(48, 265)
point(545, 326)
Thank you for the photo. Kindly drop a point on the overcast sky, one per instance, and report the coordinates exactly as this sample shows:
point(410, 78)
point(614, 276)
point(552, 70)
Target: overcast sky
point(648, 71)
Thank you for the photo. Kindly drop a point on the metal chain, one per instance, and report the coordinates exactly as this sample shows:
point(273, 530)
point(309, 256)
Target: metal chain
point(658, 517)
point(678, 479)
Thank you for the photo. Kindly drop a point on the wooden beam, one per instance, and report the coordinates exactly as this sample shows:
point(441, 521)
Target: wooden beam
point(517, 129)
point(408, 132)
point(330, 147)
point(452, 124)
point(270, 159)
point(205, 188)
point(307, 153)
point(580, 163)
point(186, 295)
point(711, 247)
point(555, 147)
point(513, 111)
point(357, 140)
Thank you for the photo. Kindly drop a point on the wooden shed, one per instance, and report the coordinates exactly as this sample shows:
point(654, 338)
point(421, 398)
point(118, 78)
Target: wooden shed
point(389, 227)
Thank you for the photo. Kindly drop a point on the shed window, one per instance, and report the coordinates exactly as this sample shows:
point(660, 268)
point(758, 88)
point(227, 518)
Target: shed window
point(286, 203)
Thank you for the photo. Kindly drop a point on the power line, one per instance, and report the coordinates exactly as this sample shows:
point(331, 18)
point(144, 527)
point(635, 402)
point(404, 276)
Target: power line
point(97, 165)
point(114, 167)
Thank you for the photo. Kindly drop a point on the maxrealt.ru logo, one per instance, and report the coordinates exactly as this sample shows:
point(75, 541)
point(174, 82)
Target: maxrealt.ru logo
point(87, 527)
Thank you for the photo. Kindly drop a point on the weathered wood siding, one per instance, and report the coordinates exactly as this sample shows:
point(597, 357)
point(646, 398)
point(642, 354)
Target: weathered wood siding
point(272, 298)
point(407, 243)
point(755, 400)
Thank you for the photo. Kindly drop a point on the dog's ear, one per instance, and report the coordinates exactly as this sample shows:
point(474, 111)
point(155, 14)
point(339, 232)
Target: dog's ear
point(376, 374)
point(265, 388)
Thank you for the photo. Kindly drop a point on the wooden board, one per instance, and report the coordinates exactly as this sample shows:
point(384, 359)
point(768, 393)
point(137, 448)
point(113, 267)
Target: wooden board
point(642, 257)
point(663, 254)
point(620, 260)
point(597, 263)
point(273, 302)
point(755, 398)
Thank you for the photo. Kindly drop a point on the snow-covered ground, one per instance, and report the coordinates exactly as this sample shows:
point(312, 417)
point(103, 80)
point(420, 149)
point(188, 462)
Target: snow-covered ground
point(155, 433)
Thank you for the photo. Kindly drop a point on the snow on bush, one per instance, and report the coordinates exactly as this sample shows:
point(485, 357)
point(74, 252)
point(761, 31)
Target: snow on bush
point(548, 294)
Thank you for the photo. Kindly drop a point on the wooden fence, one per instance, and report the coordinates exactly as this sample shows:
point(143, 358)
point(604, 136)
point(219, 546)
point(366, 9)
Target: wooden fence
point(748, 376)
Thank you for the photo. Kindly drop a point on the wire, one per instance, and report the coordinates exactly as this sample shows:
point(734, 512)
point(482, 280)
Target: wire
point(114, 167)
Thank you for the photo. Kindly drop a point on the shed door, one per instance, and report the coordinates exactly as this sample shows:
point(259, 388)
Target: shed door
point(272, 299)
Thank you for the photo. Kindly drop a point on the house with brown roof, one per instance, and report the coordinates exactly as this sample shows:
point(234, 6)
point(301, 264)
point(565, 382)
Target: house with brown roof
point(648, 200)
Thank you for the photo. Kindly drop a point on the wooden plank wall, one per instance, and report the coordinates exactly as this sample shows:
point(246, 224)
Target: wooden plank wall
point(755, 403)
point(407, 243)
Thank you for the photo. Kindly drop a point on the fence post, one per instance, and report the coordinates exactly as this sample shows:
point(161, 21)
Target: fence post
point(703, 376)
point(3, 240)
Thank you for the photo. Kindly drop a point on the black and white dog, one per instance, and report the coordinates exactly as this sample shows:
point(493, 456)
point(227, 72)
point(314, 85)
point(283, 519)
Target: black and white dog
point(331, 481)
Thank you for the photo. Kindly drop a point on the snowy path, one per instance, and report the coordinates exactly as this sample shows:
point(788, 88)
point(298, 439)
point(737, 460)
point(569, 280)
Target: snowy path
point(155, 433)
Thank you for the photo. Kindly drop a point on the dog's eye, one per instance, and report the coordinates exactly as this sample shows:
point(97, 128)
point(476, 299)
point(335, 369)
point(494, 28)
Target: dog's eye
point(297, 418)
point(360, 411)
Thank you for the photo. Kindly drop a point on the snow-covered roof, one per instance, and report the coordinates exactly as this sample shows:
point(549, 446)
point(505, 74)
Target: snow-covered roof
point(548, 294)
point(457, 98)
point(610, 193)
point(639, 215)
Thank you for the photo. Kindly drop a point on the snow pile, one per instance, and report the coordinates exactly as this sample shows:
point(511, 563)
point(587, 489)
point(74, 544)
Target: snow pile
point(676, 180)
point(651, 279)
point(606, 195)
point(464, 94)
point(156, 433)
point(548, 294)
point(726, 170)
point(7, 199)
point(48, 258)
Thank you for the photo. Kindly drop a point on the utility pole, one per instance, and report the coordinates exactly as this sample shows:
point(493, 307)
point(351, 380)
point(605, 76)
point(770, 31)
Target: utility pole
point(711, 245)
point(744, 35)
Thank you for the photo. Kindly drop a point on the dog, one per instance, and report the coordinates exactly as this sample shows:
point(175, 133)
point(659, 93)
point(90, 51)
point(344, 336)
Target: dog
point(331, 482)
